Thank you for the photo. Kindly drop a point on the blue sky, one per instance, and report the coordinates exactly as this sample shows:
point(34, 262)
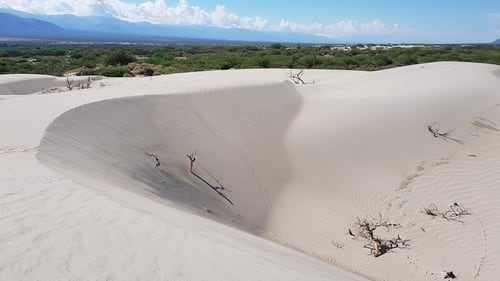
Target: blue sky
point(433, 21)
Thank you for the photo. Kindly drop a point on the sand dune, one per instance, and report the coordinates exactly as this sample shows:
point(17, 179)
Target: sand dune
point(299, 164)
point(373, 151)
point(238, 137)
point(22, 84)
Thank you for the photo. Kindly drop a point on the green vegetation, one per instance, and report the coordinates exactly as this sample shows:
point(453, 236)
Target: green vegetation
point(131, 60)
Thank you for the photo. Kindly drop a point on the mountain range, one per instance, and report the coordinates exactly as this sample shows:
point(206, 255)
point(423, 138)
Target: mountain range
point(106, 28)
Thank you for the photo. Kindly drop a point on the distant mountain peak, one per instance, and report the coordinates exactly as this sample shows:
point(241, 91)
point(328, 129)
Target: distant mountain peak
point(15, 26)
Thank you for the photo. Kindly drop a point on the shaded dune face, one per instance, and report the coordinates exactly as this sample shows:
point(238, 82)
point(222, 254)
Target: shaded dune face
point(32, 84)
point(238, 136)
point(25, 84)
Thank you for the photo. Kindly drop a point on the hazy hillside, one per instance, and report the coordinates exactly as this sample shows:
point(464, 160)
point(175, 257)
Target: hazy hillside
point(92, 26)
point(14, 26)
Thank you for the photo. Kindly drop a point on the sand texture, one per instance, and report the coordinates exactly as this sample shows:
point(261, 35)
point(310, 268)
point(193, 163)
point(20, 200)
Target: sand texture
point(94, 183)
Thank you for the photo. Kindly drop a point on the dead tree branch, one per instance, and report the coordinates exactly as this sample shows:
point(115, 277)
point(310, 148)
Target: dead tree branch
point(454, 213)
point(215, 188)
point(365, 228)
point(297, 77)
point(444, 136)
point(69, 83)
point(192, 158)
point(88, 83)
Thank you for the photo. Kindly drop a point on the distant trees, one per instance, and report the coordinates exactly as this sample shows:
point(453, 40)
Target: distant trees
point(118, 57)
point(113, 60)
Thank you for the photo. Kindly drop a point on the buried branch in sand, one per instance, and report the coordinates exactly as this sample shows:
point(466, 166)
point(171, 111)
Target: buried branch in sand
point(454, 212)
point(444, 136)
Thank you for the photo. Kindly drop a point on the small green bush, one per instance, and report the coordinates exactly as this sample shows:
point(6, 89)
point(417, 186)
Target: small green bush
point(114, 71)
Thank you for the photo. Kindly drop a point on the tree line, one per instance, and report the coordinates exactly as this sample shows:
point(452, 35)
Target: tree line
point(132, 60)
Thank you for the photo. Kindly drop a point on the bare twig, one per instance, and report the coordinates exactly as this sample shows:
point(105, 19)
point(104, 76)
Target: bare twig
point(192, 158)
point(444, 136)
point(215, 188)
point(69, 83)
point(156, 159)
point(432, 130)
point(297, 77)
point(89, 81)
point(455, 212)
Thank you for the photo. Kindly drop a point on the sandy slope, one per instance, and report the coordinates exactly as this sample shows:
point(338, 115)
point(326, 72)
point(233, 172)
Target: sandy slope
point(55, 229)
point(372, 154)
point(24, 84)
point(300, 163)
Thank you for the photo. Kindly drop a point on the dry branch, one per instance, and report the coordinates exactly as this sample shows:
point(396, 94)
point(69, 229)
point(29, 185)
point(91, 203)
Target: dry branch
point(192, 157)
point(444, 136)
point(69, 83)
point(365, 229)
point(215, 188)
point(88, 83)
point(454, 213)
point(297, 77)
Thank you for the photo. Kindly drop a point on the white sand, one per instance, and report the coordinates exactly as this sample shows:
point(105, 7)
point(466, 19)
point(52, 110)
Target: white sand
point(81, 200)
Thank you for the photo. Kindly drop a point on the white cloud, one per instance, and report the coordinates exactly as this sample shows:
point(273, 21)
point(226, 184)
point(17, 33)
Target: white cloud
point(158, 11)
point(154, 11)
point(338, 29)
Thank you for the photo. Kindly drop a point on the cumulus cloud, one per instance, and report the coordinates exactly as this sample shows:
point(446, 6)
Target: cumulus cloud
point(154, 11)
point(338, 29)
point(158, 11)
